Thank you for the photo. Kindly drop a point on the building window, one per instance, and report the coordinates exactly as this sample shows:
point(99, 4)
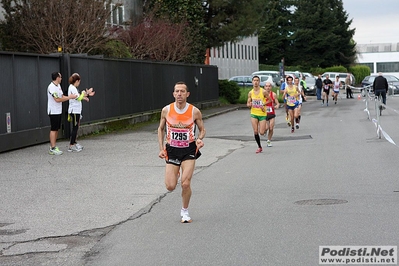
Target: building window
point(117, 16)
point(231, 50)
point(387, 48)
point(235, 51)
point(238, 51)
point(372, 49)
point(227, 50)
point(388, 67)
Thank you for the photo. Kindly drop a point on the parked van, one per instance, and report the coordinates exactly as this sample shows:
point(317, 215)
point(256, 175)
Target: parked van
point(342, 77)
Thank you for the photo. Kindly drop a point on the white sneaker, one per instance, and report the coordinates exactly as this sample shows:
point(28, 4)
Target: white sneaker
point(74, 148)
point(185, 217)
point(269, 144)
point(55, 151)
point(79, 146)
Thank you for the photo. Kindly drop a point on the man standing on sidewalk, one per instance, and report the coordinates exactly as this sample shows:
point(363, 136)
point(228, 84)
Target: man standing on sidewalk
point(55, 97)
point(182, 149)
point(348, 83)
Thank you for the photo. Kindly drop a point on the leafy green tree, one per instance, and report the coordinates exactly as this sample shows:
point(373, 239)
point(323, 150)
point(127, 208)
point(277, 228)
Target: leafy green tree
point(274, 32)
point(310, 34)
point(322, 36)
point(229, 21)
point(213, 22)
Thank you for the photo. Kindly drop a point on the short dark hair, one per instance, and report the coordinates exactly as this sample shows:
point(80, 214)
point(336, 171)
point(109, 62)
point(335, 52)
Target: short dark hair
point(289, 77)
point(181, 83)
point(255, 77)
point(55, 75)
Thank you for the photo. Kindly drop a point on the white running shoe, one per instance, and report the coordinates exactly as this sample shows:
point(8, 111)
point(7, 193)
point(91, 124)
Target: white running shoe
point(55, 151)
point(79, 146)
point(74, 148)
point(185, 217)
point(269, 143)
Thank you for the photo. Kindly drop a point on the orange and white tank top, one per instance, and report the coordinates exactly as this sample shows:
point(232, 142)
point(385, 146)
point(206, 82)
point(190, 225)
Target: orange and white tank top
point(180, 125)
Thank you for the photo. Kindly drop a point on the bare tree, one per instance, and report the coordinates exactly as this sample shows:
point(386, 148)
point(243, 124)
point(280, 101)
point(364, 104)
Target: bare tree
point(157, 39)
point(42, 26)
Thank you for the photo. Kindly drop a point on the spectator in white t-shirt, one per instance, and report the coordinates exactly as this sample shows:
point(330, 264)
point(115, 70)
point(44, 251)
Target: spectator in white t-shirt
point(55, 97)
point(75, 109)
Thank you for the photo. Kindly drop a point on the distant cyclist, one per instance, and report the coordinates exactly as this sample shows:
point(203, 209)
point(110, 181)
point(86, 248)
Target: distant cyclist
point(380, 87)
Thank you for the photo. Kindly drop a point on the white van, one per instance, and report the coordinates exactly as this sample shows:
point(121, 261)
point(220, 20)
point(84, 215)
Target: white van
point(342, 77)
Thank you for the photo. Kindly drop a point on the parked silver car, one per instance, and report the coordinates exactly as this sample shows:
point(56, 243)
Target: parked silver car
point(275, 75)
point(242, 81)
point(310, 84)
point(266, 78)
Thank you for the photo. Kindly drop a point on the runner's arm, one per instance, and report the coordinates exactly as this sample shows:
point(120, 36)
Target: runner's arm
point(200, 124)
point(161, 133)
point(276, 101)
point(249, 101)
point(267, 97)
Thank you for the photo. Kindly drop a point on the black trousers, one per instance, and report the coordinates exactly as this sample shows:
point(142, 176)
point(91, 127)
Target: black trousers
point(349, 92)
point(75, 126)
point(383, 94)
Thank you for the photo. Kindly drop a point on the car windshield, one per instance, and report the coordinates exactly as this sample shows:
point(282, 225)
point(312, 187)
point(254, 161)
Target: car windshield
point(264, 78)
point(310, 80)
point(392, 78)
point(308, 75)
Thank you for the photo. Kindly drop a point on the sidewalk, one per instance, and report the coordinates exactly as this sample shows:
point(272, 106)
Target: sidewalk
point(45, 197)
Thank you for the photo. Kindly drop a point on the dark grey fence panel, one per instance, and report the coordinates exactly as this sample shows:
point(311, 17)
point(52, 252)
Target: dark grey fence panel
point(27, 109)
point(6, 91)
point(123, 88)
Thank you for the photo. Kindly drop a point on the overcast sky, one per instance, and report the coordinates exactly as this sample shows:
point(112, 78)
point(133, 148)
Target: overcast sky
point(376, 21)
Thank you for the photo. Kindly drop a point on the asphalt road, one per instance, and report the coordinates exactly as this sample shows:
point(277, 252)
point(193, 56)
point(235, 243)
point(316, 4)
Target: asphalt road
point(332, 182)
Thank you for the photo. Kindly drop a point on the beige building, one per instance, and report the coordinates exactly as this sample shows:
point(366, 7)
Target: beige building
point(236, 59)
point(380, 57)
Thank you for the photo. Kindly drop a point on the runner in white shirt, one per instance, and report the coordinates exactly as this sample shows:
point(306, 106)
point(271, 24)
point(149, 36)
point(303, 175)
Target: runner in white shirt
point(336, 86)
